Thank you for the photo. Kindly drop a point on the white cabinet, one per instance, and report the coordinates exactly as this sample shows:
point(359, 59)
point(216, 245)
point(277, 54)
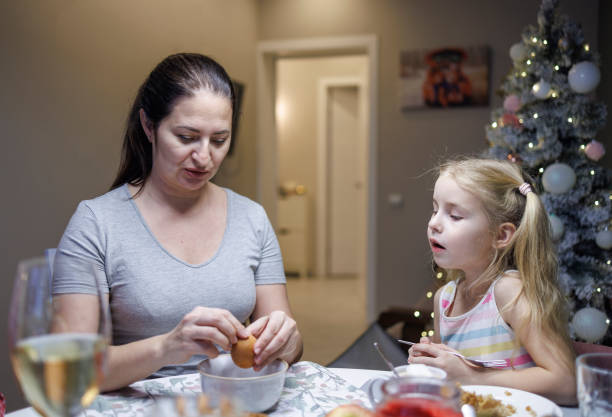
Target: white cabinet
point(292, 232)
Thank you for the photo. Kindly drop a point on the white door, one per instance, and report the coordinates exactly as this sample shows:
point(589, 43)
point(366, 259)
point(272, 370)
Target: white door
point(346, 180)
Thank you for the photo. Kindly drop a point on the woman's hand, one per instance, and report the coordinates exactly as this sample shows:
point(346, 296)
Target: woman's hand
point(198, 333)
point(277, 337)
point(437, 354)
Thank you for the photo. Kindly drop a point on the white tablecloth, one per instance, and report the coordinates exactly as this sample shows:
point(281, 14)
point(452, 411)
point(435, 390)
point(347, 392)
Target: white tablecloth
point(311, 390)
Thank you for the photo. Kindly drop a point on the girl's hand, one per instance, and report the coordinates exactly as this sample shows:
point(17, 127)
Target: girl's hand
point(277, 337)
point(436, 354)
point(198, 333)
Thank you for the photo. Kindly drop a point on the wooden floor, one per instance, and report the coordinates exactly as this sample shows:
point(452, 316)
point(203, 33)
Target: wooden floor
point(330, 313)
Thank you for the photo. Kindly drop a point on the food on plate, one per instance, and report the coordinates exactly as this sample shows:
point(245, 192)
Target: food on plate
point(242, 352)
point(350, 410)
point(486, 405)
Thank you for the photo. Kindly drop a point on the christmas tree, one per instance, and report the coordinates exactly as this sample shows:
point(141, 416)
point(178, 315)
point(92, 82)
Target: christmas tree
point(548, 124)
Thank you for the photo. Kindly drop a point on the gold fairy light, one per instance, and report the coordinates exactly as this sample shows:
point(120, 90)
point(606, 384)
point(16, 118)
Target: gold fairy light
point(556, 68)
point(417, 313)
point(529, 62)
point(587, 47)
point(521, 120)
point(429, 294)
point(607, 321)
point(545, 42)
point(598, 289)
point(523, 74)
point(553, 94)
point(570, 120)
point(541, 170)
point(430, 333)
point(423, 333)
point(583, 147)
point(593, 173)
point(432, 315)
point(439, 275)
point(534, 39)
point(532, 54)
point(530, 145)
point(609, 262)
point(535, 115)
point(494, 125)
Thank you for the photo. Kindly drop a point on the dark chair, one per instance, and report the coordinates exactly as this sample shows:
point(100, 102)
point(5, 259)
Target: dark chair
point(361, 353)
point(413, 321)
point(581, 347)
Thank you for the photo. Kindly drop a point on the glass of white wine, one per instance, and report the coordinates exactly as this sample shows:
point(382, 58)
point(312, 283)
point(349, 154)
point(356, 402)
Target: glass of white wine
point(58, 353)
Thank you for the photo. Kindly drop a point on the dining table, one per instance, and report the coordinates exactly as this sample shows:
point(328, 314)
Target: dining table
point(310, 390)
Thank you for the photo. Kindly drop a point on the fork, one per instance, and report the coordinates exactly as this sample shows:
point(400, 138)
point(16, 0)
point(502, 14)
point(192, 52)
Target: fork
point(491, 363)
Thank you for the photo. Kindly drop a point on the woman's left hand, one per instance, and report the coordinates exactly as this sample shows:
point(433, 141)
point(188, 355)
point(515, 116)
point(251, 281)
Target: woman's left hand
point(277, 337)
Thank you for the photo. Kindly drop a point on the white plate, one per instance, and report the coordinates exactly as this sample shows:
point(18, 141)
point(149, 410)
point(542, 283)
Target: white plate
point(541, 406)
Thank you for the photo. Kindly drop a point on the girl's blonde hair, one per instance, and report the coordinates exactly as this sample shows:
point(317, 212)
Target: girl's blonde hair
point(531, 250)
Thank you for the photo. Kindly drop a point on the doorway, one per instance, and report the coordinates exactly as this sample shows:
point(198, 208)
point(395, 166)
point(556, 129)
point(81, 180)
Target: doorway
point(269, 52)
point(342, 173)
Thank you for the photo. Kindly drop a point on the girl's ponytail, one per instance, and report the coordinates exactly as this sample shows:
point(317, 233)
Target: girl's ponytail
point(535, 258)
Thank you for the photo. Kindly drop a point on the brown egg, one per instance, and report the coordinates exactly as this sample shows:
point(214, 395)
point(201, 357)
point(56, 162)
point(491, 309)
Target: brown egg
point(242, 352)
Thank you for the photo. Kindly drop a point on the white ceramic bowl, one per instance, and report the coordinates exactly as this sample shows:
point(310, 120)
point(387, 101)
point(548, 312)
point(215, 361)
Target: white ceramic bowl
point(250, 390)
point(420, 370)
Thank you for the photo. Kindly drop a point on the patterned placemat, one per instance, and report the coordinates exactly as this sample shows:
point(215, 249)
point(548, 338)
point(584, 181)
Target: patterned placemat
point(310, 390)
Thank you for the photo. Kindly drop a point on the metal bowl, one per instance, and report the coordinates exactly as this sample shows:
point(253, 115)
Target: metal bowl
point(250, 390)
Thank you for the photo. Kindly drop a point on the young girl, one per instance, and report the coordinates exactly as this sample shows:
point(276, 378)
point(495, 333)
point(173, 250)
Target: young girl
point(490, 232)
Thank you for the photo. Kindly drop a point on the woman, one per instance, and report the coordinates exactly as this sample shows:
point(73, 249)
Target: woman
point(186, 262)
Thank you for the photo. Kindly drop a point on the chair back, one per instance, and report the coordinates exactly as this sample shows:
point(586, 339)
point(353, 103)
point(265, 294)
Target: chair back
point(361, 354)
point(582, 347)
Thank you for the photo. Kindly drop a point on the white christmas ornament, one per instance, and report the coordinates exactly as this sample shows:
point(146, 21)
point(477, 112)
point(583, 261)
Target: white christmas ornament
point(583, 77)
point(518, 51)
point(558, 178)
point(556, 226)
point(541, 89)
point(604, 239)
point(590, 324)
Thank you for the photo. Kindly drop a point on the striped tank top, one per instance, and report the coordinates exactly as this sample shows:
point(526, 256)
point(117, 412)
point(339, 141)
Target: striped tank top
point(481, 333)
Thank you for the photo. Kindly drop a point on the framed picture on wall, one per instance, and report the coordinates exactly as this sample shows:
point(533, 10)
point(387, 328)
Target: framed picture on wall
point(444, 77)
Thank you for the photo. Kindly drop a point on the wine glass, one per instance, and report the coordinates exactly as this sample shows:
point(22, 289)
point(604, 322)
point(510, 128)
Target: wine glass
point(58, 354)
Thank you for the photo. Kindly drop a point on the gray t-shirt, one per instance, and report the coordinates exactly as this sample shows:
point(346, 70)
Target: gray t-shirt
point(150, 290)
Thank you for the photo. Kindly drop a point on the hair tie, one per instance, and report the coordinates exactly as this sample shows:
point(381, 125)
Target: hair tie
point(525, 188)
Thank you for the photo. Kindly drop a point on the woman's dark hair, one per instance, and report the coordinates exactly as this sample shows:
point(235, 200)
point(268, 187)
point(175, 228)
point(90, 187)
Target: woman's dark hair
point(177, 76)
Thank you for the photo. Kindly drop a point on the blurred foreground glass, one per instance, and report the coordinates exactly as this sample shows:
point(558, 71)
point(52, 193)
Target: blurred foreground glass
point(418, 397)
point(594, 384)
point(58, 356)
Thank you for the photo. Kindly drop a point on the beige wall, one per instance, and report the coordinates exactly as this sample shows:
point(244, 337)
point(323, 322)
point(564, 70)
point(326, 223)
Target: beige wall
point(68, 73)
point(410, 143)
point(297, 89)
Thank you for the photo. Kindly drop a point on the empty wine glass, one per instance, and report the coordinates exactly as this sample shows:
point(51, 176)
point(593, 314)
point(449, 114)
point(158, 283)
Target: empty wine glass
point(58, 354)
